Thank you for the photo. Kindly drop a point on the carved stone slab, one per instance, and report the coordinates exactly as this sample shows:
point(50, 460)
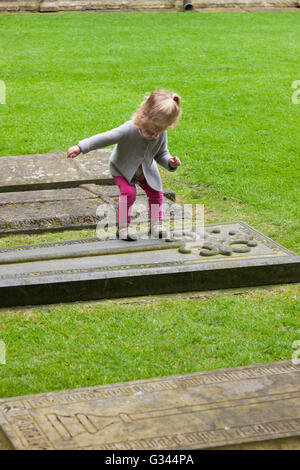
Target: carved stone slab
point(192, 411)
point(69, 208)
point(19, 5)
point(231, 255)
point(53, 170)
point(140, 5)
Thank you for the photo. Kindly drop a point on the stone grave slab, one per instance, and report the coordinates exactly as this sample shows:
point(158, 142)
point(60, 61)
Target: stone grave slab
point(231, 255)
point(70, 208)
point(53, 170)
point(202, 410)
point(50, 192)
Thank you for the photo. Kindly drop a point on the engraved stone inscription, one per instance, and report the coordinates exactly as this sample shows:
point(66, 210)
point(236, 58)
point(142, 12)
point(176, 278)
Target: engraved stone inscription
point(227, 243)
point(192, 411)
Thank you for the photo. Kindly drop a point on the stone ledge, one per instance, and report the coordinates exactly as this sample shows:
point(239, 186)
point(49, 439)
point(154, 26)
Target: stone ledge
point(5, 444)
point(44, 6)
point(16, 6)
point(236, 4)
point(233, 255)
point(85, 5)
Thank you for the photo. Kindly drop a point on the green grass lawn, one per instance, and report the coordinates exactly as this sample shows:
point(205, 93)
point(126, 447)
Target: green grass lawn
point(61, 347)
point(69, 76)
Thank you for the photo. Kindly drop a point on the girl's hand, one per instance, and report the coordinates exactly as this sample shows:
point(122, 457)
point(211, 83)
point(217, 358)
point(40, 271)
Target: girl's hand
point(174, 162)
point(73, 152)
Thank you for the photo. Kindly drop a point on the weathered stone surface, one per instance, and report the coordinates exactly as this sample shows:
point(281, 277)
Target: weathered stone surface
point(88, 269)
point(19, 5)
point(70, 208)
point(46, 195)
point(236, 4)
point(249, 404)
point(286, 443)
point(53, 170)
point(82, 5)
point(140, 5)
point(5, 444)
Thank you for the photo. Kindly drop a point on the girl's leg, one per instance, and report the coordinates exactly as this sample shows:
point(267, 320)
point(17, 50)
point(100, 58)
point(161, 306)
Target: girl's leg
point(126, 200)
point(156, 200)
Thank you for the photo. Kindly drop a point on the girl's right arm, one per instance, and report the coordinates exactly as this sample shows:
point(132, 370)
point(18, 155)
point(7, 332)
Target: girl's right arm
point(98, 141)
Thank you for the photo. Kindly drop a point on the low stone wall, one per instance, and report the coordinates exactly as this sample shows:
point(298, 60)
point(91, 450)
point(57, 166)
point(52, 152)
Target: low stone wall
point(19, 5)
point(202, 4)
point(83, 5)
point(139, 5)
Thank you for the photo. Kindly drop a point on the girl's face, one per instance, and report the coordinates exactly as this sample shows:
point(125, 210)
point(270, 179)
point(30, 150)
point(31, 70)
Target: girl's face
point(152, 129)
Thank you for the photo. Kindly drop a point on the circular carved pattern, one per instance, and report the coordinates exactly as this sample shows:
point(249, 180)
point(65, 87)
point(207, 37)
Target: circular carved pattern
point(233, 242)
point(208, 249)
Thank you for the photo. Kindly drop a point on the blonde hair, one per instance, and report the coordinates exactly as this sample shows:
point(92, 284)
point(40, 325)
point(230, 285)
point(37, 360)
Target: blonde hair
point(161, 106)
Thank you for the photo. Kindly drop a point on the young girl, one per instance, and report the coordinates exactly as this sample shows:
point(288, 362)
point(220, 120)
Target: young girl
point(141, 142)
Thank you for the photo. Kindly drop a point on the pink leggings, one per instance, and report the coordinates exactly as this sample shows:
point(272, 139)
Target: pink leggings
point(128, 196)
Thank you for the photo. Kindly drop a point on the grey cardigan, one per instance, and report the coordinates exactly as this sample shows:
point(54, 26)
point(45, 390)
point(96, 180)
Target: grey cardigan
point(131, 151)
